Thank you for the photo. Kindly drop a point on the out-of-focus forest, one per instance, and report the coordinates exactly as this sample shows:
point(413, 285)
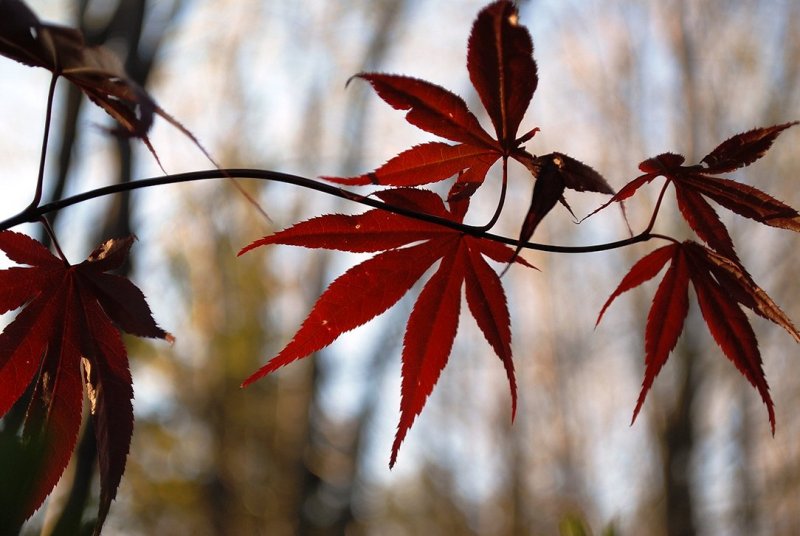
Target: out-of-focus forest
point(306, 450)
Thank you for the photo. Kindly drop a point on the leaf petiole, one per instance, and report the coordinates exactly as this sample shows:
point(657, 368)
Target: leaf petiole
point(652, 222)
point(501, 202)
point(52, 234)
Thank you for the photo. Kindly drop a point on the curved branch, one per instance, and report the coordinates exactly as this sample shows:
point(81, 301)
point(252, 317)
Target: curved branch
point(32, 214)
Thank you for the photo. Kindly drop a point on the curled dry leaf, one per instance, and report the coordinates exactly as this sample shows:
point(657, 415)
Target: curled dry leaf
point(95, 70)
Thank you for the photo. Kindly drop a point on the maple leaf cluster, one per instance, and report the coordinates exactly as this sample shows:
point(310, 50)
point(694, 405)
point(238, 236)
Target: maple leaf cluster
point(66, 338)
point(67, 335)
point(504, 74)
point(502, 70)
point(721, 283)
point(370, 288)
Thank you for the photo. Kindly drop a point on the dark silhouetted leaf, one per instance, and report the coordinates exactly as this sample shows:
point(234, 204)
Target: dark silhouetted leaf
point(721, 286)
point(502, 69)
point(554, 172)
point(95, 70)
point(743, 149)
point(68, 324)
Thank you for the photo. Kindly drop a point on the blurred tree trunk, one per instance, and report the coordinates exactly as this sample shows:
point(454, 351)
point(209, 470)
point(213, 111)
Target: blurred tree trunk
point(125, 30)
point(677, 436)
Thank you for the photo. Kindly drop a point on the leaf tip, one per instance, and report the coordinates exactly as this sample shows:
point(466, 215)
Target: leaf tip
point(251, 379)
point(252, 245)
point(349, 80)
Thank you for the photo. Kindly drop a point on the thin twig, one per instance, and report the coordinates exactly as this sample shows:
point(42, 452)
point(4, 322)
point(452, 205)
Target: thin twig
point(32, 214)
point(37, 196)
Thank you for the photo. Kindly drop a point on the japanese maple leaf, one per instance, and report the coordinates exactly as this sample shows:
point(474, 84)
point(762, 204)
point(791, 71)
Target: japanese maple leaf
point(95, 70)
point(502, 70)
point(408, 249)
point(722, 288)
point(694, 183)
point(67, 337)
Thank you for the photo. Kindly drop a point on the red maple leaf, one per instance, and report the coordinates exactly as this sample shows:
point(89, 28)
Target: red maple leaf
point(502, 70)
point(693, 184)
point(66, 337)
point(408, 249)
point(722, 287)
point(504, 74)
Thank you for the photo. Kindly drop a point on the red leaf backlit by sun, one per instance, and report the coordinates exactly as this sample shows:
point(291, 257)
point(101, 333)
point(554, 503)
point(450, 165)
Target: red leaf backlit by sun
point(502, 70)
point(66, 337)
point(501, 67)
point(408, 248)
point(504, 74)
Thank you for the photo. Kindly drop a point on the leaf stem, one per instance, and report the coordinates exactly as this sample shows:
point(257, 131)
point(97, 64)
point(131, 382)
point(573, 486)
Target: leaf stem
point(34, 213)
point(52, 234)
point(501, 202)
point(652, 222)
point(37, 196)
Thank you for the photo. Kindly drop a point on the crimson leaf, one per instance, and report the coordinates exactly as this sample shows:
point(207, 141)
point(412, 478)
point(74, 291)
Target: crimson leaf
point(408, 248)
point(503, 71)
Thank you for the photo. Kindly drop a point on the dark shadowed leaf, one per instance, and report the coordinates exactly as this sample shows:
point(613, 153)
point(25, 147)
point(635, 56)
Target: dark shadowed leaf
point(743, 149)
point(95, 70)
point(65, 326)
point(554, 173)
point(501, 67)
point(721, 286)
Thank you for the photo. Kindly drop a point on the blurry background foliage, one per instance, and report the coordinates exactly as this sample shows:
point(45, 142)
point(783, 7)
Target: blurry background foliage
point(305, 451)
